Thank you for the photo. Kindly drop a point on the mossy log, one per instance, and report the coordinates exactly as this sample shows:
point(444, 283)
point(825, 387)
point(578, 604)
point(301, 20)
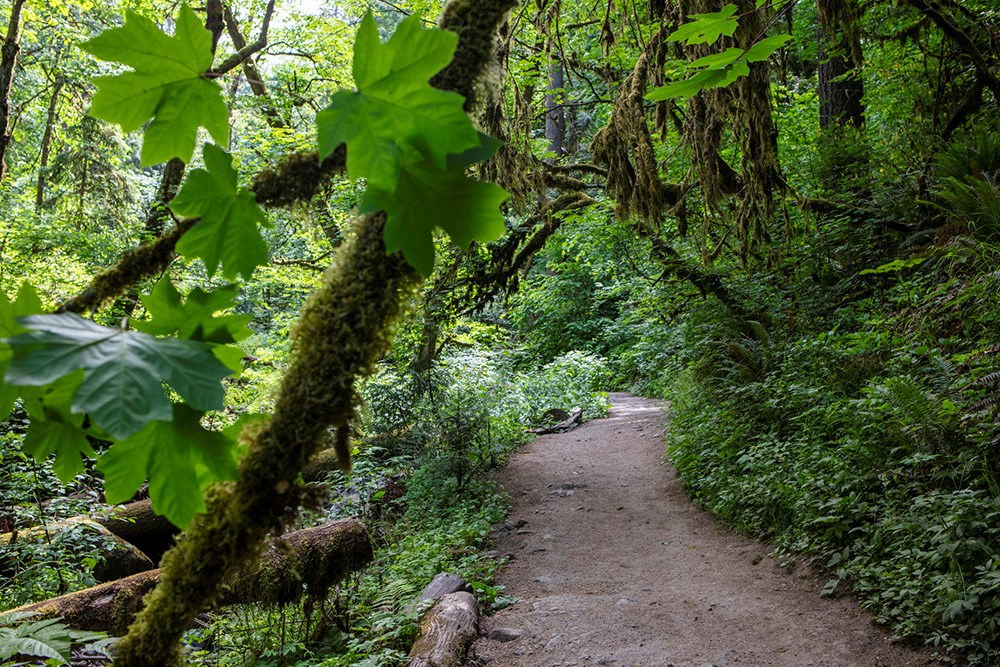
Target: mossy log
point(446, 632)
point(119, 558)
point(305, 562)
point(137, 523)
point(321, 465)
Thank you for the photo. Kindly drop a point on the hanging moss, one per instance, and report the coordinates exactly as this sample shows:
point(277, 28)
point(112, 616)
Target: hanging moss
point(745, 108)
point(625, 147)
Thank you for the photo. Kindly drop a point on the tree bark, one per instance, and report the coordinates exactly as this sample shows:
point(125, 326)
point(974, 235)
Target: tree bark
point(306, 562)
point(841, 87)
point(446, 631)
point(138, 524)
point(254, 78)
point(555, 114)
point(8, 62)
point(43, 160)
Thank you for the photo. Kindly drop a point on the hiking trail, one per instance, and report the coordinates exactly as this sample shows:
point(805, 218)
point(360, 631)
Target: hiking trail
point(613, 565)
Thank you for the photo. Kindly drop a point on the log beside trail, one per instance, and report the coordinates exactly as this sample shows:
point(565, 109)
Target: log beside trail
point(446, 631)
point(305, 562)
point(572, 420)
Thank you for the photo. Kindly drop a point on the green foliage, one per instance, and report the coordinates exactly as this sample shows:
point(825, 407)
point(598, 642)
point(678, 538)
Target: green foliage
point(167, 84)
point(26, 303)
point(863, 446)
point(227, 232)
point(425, 198)
point(968, 174)
point(122, 370)
point(395, 117)
point(48, 639)
point(716, 70)
point(180, 458)
point(707, 28)
point(400, 133)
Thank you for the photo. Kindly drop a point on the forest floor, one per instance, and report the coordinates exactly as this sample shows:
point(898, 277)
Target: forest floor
point(613, 565)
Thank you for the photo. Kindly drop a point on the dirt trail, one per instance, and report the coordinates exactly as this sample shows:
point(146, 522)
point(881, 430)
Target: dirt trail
point(614, 566)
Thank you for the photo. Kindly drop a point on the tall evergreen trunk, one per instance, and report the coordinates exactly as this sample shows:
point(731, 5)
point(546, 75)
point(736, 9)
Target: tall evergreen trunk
point(555, 115)
point(43, 160)
point(8, 62)
point(843, 153)
point(841, 87)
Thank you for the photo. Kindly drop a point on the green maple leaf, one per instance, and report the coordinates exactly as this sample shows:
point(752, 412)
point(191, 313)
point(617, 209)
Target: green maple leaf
point(66, 440)
point(167, 84)
point(425, 198)
point(707, 28)
point(395, 116)
point(25, 303)
point(227, 233)
point(179, 457)
point(122, 370)
point(193, 317)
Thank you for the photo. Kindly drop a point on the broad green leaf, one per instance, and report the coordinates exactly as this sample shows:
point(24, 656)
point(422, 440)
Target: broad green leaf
point(167, 84)
point(763, 49)
point(25, 303)
point(395, 116)
point(425, 198)
point(688, 87)
point(707, 28)
point(180, 458)
point(193, 317)
point(123, 370)
point(717, 60)
point(67, 441)
point(487, 148)
point(227, 233)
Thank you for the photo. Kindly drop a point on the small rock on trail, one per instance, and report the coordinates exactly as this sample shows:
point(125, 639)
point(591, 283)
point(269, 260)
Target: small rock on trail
point(627, 571)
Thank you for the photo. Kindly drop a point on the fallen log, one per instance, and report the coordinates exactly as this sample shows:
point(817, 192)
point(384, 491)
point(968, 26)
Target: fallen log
point(446, 631)
point(137, 523)
point(118, 558)
point(572, 420)
point(305, 562)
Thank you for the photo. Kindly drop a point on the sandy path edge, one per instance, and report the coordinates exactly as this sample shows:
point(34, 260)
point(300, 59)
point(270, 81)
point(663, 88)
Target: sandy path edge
point(613, 565)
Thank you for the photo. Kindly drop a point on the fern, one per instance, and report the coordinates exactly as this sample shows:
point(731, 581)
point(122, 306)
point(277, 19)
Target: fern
point(49, 638)
point(968, 180)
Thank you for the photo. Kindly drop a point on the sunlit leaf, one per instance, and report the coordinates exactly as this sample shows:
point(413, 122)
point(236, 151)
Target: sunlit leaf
point(166, 84)
point(227, 232)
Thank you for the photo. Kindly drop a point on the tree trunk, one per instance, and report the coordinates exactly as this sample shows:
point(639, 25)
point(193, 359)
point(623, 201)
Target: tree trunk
point(306, 562)
point(841, 87)
point(343, 330)
point(254, 78)
point(446, 631)
point(43, 160)
point(8, 62)
point(555, 114)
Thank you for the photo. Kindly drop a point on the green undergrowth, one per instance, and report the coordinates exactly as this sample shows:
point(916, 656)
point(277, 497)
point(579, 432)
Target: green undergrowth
point(419, 486)
point(865, 436)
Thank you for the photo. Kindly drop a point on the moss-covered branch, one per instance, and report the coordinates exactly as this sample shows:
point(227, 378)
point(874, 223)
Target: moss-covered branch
point(343, 329)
